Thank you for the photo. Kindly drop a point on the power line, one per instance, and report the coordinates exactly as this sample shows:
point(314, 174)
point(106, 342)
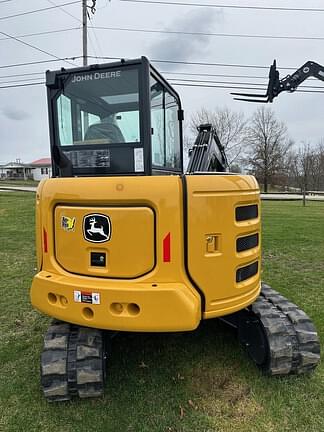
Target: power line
point(18, 81)
point(230, 86)
point(93, 45)
point(38, 10)
point(164, 73)
point(171, 77)
point(22, 85)
point(215, 86)
point(219, 75)
point(239, 35)
point(41, 33)
point(234, 87)
point(167, 72)
point(224, 6)
point(75, 18)
point(38, 62)
point(46, 33)
point(95, 35)
point(217, 64)
point(171, 73)
point(93, 10)
point(162, 31)
point(92, 41)
point(21, 75)
point(153, 61)
point(213, 75)
point(263, 86)
point(34, 47)
point(200, 63)
point(65, 11)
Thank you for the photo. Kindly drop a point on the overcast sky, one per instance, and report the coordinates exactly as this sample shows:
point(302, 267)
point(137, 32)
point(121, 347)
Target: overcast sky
point(23, 110)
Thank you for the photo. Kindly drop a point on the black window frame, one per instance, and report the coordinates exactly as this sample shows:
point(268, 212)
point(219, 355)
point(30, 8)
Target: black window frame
point(157, 170)
point(55, 81)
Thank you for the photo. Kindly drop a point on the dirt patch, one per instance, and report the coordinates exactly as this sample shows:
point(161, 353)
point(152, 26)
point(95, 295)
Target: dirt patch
point(220, 393)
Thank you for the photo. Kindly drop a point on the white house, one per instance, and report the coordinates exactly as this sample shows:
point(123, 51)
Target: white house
point(41, 168)
point(37, 170)
point(15, 170)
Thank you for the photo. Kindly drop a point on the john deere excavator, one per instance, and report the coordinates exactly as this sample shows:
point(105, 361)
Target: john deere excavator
point(127, 242)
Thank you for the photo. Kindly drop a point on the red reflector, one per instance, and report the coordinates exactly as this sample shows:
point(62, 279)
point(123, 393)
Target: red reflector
point(45, 239)
point(167, 248)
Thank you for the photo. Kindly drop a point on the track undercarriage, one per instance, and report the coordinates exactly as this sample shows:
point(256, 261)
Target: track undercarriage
point(73, 362)
point(278, 336)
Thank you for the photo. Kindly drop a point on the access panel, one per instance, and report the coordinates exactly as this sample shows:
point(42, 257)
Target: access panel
point(115, 242)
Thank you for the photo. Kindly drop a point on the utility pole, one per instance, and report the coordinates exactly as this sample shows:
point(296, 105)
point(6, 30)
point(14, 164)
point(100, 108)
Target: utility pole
point(85, 51)
point(84, 32)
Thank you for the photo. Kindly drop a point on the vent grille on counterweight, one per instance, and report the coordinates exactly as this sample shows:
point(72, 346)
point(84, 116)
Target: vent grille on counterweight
point(246, 272)
point(247, 242)
point(246, 212)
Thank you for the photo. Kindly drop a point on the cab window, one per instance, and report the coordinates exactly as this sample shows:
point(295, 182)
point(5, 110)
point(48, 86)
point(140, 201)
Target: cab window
point(172, 135)
point(99, 108)
point(165, 128)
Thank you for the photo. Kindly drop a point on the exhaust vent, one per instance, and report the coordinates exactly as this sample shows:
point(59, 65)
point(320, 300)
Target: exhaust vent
point(246, 212)
point(246, 272)
point(247, 242)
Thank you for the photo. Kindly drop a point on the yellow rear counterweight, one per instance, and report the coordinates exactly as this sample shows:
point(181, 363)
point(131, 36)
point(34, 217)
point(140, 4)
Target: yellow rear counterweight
point(171, 257)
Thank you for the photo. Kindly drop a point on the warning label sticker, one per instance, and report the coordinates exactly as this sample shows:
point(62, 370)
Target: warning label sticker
point(138, 159)
point(86, 297)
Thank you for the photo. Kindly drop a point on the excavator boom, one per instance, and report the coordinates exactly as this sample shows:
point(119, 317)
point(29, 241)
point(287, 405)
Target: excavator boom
point(207, 154)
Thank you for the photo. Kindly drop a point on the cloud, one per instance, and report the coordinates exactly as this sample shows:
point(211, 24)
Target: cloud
point(184, 47)
point(14, 113)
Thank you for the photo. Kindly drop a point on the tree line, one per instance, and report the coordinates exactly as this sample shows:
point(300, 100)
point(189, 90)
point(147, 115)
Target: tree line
point(261, 145)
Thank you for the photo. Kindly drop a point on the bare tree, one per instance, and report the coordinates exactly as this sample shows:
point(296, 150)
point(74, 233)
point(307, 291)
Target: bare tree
point(303, 166)
point(321, 164)
point(308, 167)
point(230, 128)
point(317, 168)
point(268, 144)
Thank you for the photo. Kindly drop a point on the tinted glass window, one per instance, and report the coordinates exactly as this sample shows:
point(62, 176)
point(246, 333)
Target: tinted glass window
point(172, 136)
point(165, 128)
point(64, 119)
point(157, 124)
point(100, 107)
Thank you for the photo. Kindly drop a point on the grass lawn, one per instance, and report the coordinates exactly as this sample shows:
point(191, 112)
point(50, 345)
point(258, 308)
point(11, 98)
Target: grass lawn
point(195, 382)
point(19, 183)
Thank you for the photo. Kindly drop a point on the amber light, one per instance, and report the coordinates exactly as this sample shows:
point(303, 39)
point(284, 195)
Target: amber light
point(45, 240)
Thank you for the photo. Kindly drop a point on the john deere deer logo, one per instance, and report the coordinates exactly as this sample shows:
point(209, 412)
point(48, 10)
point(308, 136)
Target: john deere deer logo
point(96, 228)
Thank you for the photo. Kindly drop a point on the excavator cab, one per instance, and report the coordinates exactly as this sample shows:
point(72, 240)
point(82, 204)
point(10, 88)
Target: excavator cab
point(116, 119)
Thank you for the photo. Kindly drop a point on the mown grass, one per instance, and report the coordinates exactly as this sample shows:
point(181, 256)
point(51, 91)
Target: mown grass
point(14, 182)
point(198, 381)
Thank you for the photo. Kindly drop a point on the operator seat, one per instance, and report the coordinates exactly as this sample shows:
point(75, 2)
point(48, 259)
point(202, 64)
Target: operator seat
point(105, 131)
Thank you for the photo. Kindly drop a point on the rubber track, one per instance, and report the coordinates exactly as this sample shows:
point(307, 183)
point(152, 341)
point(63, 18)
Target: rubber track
point(54, 371)
point(90, 363)
point(72, 362)
point(292, 342)
point(303, 339)
point(278, 341)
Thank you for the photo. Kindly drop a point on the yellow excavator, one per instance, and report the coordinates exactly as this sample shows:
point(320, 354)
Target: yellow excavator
point(126, 241)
